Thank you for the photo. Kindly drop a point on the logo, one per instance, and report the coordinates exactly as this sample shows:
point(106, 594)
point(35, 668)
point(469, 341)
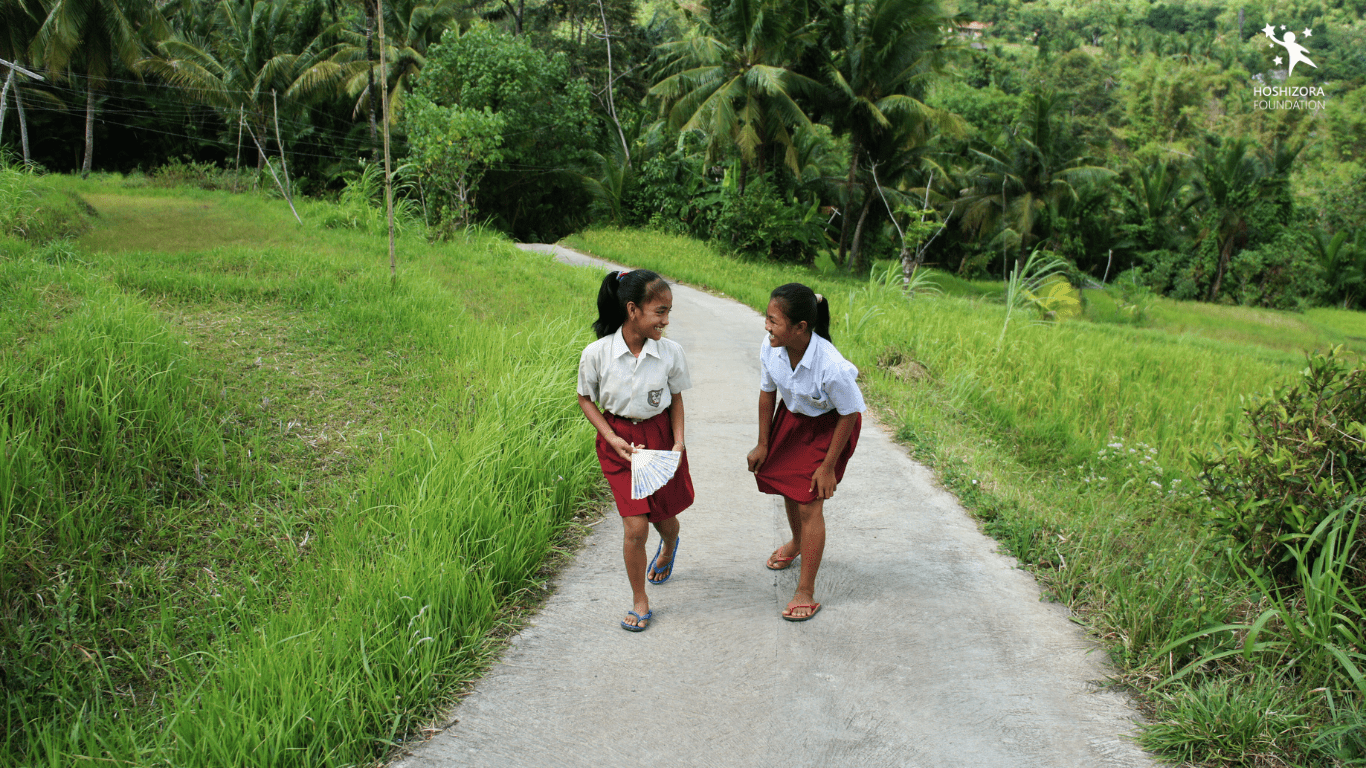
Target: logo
point(1292, 48)
point(1287, 97)
point(654, 396)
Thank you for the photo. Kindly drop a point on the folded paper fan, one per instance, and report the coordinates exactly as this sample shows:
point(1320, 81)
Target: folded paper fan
point(650, 470)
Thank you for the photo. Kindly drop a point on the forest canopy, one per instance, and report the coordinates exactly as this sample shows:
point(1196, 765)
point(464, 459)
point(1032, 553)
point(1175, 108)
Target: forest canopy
point(1211, 151)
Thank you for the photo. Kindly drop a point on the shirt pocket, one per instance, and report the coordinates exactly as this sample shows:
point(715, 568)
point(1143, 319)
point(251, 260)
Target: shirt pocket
point(815, 398)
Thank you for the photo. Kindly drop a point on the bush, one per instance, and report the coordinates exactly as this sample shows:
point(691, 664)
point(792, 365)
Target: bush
point(762, 223)
point(1299, 459)
point(187, 173)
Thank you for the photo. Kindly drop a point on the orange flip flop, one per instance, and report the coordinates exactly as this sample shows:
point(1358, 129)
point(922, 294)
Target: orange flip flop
point(775, 557)
point(816, 606)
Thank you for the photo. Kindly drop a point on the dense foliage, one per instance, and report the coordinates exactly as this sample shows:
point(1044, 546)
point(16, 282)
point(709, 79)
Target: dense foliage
point(1122, 135)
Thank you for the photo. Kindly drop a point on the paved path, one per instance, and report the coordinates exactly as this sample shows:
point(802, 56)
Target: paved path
point(932, 649)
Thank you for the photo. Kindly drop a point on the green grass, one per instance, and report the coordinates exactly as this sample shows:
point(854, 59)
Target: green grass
point(262, 505)
point(1076, 446)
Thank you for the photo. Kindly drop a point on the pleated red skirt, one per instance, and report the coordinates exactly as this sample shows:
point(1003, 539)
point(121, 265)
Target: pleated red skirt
point(656, 434)
point(797, 446)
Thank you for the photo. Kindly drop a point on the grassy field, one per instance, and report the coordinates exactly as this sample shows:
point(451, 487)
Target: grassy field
point(1077, 446)
point(260, 504)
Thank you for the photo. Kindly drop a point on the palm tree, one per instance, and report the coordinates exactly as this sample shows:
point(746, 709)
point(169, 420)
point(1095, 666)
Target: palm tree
point(1229, 179)
point(411, 26)
point(887, 51)
point(1024, 176)
point(1342, 262)
point(1153, 198)
point(247, 59)
point(93, 36)
point(17, 28)
point(735, 82)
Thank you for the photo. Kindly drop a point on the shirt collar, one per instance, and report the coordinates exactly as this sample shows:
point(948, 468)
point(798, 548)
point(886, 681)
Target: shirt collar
point(619, 348)
point(807, 356)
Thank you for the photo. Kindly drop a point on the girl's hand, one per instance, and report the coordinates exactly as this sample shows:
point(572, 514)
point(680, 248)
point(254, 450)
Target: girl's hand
point(623, 448)
point(756, 457)
point(823, 482)
point(678, 447)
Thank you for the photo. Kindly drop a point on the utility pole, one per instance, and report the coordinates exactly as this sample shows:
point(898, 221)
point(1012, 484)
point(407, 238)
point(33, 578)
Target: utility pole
point(384, 108)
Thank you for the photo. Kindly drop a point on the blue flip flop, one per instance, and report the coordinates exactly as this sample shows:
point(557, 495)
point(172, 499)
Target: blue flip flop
point(668, 574)
point(638, 628)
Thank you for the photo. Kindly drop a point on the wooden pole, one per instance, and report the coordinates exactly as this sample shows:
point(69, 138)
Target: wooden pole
point(384, 113)
point(280, 144)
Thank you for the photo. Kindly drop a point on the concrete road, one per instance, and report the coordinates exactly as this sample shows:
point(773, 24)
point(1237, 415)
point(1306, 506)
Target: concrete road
point(932, 649)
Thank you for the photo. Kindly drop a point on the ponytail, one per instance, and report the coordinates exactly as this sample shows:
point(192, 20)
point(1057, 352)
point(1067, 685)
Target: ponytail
point(621, 288)
point(800, 304)
point(822, 325)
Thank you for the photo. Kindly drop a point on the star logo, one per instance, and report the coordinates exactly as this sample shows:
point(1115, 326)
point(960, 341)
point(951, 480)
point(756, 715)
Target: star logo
point(1296, 51)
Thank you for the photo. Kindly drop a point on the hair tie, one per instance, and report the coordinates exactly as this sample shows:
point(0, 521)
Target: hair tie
point(819, 298)
point(622, 274)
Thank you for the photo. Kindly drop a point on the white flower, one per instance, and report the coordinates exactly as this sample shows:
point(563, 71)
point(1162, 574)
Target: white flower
point(1155, 484)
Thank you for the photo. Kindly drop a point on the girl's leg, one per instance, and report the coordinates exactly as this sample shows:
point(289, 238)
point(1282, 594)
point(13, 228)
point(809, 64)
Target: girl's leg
point(793, 547)
point(809, 535)
point(668, 533)
point(637, 530)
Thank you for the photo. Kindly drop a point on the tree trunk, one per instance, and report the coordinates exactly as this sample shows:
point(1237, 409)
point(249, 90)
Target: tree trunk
point(4, 102)
point(744, 172)
point(848, 201)
point(89, 129)
point(23, 121)
point(370, 79)
point(858, 234)
point(1225, 255)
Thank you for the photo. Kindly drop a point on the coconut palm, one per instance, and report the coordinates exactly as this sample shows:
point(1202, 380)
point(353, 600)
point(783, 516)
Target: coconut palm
point(249, 58)
point(1342, 262)
point(411, 26)
point(92, 37)
point(887, 51)
point(734, 81)
point(1024, 176)
point(1153, 198)
point(17, 29)
point(1229, 180)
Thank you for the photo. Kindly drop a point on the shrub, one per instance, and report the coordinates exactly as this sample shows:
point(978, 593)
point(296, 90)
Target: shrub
point(187, 173)
point(1300, 458)
point(761, 222)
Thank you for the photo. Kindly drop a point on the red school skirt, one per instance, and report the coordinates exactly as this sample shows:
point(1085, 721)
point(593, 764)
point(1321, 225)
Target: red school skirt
point(655, 433)
point(797, 447)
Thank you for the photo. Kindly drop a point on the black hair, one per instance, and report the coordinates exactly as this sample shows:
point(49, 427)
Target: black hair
point(619, 289)
point(799, 303)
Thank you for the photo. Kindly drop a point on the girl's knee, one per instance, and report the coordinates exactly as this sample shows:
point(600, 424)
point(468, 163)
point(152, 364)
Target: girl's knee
point(637, 530)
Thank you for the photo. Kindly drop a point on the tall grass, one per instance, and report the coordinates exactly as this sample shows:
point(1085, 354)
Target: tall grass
point(1069, 388)
point(183, 587)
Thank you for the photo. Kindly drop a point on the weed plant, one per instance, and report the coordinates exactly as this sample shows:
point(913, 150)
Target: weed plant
point(1078, 445)
point(265, 506)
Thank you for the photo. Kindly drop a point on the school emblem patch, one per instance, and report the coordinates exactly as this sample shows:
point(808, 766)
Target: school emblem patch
point(654, 396)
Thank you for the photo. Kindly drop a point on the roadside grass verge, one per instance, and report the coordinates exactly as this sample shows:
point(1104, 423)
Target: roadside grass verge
point(1077, 445)
point(263, 505)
